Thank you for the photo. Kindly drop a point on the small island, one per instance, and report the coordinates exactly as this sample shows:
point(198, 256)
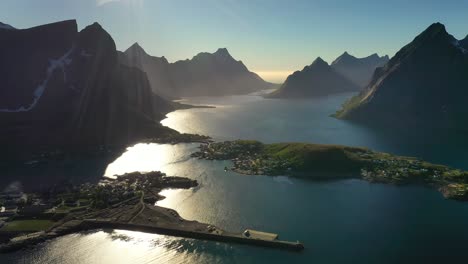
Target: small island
point(328, 162)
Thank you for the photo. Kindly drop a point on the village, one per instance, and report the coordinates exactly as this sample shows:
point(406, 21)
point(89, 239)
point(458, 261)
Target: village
point(126, 202)
point(247, 157)
point(22, 212)
point(255, 158)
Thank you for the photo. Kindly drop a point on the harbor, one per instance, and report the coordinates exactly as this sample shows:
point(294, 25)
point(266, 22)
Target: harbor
point(264, 240)
point(124, 203)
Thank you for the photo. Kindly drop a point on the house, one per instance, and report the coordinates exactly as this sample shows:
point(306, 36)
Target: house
point(7, 211)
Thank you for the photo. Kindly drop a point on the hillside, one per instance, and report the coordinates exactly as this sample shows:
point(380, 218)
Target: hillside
point(424, 84)
point(63, 87)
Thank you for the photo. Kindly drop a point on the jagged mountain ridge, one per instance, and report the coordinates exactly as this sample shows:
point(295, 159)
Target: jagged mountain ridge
point(206, 74)
point(358, 70)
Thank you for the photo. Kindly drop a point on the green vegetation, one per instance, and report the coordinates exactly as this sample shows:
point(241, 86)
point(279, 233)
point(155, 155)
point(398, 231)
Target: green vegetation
point(27, 226)
point(297, 159)
point(350, 104)
point(174, 138)
point(63, 209)
point(456, 191)
point(319, 158)
point(318, 162)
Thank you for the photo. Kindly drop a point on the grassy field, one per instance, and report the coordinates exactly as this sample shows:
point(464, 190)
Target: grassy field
point(27, 225)
point(316, 157)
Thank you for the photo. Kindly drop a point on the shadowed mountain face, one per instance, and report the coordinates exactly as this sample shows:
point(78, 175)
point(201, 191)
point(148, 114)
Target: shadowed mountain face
point(318, 79)
point(67, 88)
point(464, 43)
point(358, 70)
point(425, 82)
point(206, 74)
point(157, 69)
point(6, 27)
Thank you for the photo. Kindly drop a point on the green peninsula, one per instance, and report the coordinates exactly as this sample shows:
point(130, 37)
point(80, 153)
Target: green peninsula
point(329, 162)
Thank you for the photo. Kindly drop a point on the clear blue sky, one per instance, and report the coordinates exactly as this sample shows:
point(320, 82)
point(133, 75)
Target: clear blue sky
point(267, 35)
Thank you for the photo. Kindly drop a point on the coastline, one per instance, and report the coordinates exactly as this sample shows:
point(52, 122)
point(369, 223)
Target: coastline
point(135, 211)
point(333, 162)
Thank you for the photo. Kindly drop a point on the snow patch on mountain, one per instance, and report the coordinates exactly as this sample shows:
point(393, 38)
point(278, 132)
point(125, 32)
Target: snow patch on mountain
point(60, 63)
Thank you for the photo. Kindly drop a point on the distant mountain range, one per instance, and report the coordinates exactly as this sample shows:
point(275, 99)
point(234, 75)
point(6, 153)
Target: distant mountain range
point(346, 74)
point(64, 87)
point(426, 83)
point(206, 74)
point(359, 71)
point(318, 79)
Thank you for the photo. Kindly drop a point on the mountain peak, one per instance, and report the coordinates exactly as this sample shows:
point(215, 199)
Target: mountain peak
point(346, 55)
point(344, 58)
point(136, 48)
point(97, 40)
point(95, 25)
point(319, 62)
point(222, 52)
point(434, 30)
point(437, 26)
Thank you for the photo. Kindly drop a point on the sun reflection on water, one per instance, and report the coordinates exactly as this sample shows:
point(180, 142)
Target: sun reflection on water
point(148, 157)
point(174, 160)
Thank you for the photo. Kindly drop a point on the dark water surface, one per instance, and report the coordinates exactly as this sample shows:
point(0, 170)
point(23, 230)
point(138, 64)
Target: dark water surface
point(348, 221)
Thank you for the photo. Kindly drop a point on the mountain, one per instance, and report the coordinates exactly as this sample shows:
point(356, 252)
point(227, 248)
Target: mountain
point(6, 26)
point(157, 69)
point(67, 88)
point(464, 43)
point(358, 70)
point(424, 83)
point(206, 74)
point(318, 79)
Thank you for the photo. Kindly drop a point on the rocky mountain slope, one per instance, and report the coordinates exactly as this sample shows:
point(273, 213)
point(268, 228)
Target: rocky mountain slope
point(424, 83)
point(157, 69)
point(358, 70)
point(67, 88)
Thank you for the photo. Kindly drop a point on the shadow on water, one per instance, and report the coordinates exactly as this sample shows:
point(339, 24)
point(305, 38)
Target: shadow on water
point(448, 147)
point(38, 174)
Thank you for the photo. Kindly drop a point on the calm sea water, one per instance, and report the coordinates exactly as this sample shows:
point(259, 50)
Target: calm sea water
point(339, 222)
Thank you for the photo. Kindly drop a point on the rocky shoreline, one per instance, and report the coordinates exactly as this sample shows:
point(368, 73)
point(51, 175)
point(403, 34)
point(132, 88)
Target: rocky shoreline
point(128, 202)
point(119, 199)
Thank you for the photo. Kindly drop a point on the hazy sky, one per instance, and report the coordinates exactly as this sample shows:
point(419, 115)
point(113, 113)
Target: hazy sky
point(267, 35)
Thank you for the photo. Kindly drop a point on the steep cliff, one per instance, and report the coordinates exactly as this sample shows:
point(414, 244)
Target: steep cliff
point(67, 88)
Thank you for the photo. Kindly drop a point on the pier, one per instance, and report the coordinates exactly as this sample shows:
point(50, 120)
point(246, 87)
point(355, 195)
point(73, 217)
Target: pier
point(257, 238)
